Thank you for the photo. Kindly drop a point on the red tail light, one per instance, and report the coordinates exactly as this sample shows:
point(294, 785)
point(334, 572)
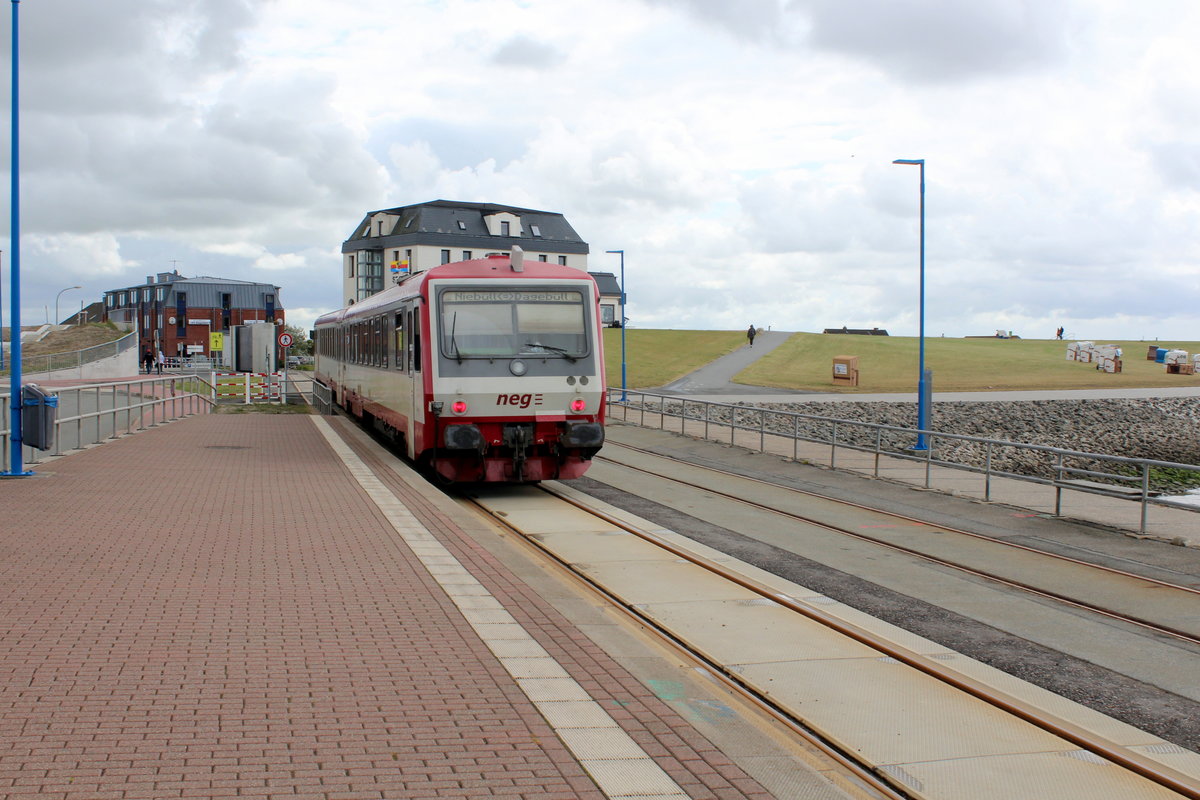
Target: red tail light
point(578, 404)
point(459, 406)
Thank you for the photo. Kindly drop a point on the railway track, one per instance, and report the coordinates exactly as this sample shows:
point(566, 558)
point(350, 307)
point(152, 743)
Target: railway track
point(1097, 581)
point(836, 675)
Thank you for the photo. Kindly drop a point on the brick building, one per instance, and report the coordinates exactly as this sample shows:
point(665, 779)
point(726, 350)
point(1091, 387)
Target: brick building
point(180, 315)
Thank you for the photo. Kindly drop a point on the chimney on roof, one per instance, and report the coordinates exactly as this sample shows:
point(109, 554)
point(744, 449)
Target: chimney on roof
point(149, 279)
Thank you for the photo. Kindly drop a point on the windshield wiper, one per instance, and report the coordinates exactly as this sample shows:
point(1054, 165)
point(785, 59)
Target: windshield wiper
point(560, 350)
point(453, 343)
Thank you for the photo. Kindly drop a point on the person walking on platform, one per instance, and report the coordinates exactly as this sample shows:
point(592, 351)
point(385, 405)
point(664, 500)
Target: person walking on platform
point(750, 335)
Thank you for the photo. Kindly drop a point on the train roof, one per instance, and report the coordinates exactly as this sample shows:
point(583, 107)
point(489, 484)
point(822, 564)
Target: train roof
point(493, 266)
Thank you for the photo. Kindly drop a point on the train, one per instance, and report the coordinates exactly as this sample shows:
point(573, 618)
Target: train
point(482, 371)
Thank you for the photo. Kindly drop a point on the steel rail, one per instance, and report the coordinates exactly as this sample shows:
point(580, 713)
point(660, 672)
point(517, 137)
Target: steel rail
point(1182, 635)
point(1118, 754)
point(878, 783)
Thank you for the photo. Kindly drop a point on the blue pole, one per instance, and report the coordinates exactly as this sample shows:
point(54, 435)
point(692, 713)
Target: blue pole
point(15, 465)
point(922, 400)
point(622, 252)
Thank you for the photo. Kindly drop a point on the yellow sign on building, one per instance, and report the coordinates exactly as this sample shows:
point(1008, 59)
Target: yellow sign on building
point(216, 342)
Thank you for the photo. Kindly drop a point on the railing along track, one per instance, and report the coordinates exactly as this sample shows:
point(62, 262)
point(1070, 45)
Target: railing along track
point(1185, 636)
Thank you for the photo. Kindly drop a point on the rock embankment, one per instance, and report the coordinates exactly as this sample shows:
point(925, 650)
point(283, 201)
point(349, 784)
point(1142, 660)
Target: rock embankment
point(1162, 429)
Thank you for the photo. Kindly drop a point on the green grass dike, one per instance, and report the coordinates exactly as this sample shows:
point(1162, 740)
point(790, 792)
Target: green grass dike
point(657, 357)
point(889, 364)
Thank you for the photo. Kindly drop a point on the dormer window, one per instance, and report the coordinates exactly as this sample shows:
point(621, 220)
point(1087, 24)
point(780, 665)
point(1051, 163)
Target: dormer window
point(462, 226)
point(503, 223)
point(535, 230)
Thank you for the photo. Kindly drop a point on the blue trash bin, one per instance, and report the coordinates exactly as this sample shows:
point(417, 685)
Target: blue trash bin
point(39, 412)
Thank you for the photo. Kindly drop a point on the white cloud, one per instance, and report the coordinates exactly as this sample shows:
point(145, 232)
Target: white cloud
point(745, 146)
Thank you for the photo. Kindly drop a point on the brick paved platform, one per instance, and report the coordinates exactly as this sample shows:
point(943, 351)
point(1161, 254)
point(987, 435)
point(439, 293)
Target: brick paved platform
point(220, 607)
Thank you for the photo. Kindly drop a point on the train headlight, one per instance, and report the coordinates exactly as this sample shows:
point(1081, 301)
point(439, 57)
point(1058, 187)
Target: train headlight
point(578, 404)
point(459, 407)
point(517, 367)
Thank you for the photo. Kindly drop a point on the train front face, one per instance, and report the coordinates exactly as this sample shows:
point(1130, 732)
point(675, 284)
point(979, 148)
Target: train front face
point(518, 384)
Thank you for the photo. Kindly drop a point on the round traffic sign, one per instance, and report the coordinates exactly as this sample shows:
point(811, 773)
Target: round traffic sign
point(285, 340)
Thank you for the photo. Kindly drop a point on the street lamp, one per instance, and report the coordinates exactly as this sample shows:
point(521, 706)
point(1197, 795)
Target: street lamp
point(623, 318)
point(16, 437)
point(923, 380)
point(60, 294)
point(1, 309)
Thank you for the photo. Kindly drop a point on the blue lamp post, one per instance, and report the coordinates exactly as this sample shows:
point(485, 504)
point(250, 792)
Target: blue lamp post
point(622, 253)
point(15, 465)
point(922, 382)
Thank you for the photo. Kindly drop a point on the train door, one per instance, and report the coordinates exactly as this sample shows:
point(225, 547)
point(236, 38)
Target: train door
point(417, 384)
point(343, 344)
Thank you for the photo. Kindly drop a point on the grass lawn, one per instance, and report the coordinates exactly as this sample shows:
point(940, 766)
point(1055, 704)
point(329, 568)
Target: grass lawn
point(889, 364)
point(76, 337)
point(655, 358)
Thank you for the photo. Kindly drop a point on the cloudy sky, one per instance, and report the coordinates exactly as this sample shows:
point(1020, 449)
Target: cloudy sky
point(740, 152)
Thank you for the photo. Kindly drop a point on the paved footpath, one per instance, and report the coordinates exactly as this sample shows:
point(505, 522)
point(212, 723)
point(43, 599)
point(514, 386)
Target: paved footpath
point(257, 606)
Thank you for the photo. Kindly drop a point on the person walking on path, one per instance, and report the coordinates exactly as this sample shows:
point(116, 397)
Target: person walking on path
point(159, 360)
point(750, 335)
point(148, 360)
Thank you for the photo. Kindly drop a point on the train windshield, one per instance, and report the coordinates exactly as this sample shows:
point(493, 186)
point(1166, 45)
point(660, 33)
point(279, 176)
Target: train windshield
point(502, 323)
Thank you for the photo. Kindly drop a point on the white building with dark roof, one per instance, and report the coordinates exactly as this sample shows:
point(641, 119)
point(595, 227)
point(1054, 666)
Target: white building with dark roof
point(417, 237)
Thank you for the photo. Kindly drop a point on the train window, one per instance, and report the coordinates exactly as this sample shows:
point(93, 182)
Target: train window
point(401, 352)
point(415, 346)
point(384, 357)
point(489, 323)
point(377, 342)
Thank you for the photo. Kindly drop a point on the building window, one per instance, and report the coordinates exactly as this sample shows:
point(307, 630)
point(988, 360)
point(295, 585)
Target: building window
point(462, 226)
point(562, 260)
point(542, 257)
point(350, 266)
point(146, 295)
point(504, 226)
point(160, 293)
point(445, 256)
point(608, 314)
point(535, 230)
point(466, 255)
point(124, 300)
point(370, 273)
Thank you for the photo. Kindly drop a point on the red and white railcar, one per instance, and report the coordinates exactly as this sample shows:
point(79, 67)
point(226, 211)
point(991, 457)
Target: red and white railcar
point(485, 370)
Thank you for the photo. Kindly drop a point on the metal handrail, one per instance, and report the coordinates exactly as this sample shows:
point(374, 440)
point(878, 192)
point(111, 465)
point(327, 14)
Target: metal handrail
point(753, 419)
point(108, 410)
